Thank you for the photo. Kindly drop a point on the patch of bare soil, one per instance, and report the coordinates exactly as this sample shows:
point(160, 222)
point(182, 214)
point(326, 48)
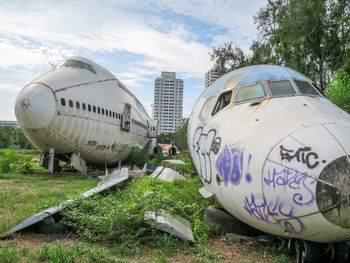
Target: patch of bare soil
point(216, 251)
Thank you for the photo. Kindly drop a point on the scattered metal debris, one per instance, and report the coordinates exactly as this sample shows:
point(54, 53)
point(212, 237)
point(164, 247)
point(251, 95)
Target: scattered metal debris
point(135, 170)
point(175, 161)
point(205, 193)
point(113, 179)
point(168, 223)
point(166, 174)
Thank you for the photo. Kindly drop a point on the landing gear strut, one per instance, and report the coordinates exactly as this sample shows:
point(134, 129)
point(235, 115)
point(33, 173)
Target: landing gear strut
point(310, 252)
point(307, 252)
point(341, 252)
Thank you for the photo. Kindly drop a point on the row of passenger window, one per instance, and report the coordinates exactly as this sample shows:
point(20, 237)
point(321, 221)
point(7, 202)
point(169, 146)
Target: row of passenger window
point(92, 108)
point(257, 91)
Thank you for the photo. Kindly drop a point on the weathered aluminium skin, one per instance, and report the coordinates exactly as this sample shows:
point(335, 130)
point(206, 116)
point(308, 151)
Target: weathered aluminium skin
point(278, 163)
point(98, 138)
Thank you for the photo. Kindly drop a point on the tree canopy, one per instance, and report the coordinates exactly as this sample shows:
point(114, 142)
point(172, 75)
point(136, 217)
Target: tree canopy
point(310, 36)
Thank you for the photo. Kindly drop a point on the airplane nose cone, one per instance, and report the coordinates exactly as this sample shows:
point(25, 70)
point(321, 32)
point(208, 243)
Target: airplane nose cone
point(333, 192)
point(35, 106)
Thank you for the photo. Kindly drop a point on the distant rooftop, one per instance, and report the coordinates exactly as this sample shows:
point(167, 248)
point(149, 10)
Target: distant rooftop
point(10, 123)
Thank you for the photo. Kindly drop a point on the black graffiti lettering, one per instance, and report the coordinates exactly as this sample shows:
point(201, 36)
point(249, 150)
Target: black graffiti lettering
point(303, 155)
point(92, 143)
point(308, 161)
point(215, 146)
point(204, 146)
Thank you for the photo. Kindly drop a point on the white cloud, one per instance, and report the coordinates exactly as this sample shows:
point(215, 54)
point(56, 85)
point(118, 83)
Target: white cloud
point(33, 33)
point(10, 87)
point(56, 26)
point(235, 16)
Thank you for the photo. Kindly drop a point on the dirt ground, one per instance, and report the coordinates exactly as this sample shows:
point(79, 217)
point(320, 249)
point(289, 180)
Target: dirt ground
point(218, 250)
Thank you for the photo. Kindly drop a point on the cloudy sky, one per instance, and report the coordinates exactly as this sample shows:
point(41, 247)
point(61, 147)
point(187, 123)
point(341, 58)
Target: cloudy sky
point(134, 39)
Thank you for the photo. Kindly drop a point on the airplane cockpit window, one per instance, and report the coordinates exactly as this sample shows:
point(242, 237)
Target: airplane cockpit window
point(281, 88)
point(206, 108)
point(223, 100)
point(77, 64)
point(251, 92)
point(306, 88)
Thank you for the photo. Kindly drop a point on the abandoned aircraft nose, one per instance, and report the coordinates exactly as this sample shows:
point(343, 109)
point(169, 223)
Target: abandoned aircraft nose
point(333, 192)
point(35, 106)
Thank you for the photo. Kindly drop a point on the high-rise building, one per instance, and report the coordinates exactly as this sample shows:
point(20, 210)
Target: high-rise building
point(168, 102)
point(211, 76)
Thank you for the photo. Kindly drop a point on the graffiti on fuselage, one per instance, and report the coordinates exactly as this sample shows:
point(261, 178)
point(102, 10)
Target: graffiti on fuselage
point(257, 207)
point(205, 147)
point(230, 164)
point(115, 147)
point(303, 154)
point(301, 184)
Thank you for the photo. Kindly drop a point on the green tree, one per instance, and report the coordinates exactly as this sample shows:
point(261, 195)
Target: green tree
point(339, 90)
point(310, 36)
point(10, 135)
point(306, 35)
point(181, 135)
point(166, 138)
point(228, 58)
point(5, 138)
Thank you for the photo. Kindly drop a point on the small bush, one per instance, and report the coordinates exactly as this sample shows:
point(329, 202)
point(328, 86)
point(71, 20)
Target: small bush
point(8, 159)
point(10, 162)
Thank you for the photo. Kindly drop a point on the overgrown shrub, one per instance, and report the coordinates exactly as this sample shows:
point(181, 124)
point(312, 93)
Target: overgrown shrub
point(8, 158)
point(119, 216)
point(157, 158)
point(137, 157)
point(10, 161)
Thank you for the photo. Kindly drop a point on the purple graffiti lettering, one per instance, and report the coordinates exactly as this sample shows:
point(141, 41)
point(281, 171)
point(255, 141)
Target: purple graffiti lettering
point(230, 163)
point(295, 181)
point(258, 209)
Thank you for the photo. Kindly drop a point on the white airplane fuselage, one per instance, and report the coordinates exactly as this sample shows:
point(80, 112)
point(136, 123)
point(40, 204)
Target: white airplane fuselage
point(275, 153)
point(79, 107)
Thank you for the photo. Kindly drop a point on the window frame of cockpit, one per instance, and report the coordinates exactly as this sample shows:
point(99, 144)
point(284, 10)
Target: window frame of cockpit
point(218, 99)
point(293, 81)
point(234, 102)
point(296, 90)
point(87, 67)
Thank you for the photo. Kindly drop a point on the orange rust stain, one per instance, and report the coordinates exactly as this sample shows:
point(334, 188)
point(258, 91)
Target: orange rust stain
point(262, 103)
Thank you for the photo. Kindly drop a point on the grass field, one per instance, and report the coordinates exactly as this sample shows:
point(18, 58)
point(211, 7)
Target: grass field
point(107, 228)
point(22, 196)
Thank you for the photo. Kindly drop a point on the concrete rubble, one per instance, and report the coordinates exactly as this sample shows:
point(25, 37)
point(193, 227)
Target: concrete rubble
point(108, 181)
point(237, 238)
point(168, 223)
point(166, 174)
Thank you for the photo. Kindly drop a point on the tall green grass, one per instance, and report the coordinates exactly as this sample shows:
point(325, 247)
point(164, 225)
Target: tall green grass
point(119, 216)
